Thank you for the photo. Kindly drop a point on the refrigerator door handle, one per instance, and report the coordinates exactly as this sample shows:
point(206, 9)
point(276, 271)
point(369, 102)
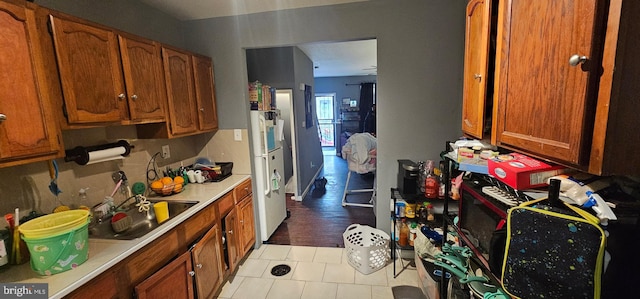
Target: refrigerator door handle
point(267, 180)
point(264, 132)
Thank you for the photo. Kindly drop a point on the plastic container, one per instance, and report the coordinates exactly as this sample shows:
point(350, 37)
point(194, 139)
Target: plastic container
point(61, 252)
point(367, 248)
point(54, 224)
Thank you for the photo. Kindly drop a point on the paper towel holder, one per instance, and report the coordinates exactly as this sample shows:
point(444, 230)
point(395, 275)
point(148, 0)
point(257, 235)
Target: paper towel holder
point(80, 154)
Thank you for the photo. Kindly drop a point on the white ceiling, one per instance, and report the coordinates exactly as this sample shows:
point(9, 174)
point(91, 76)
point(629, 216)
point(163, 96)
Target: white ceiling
point(334, 59)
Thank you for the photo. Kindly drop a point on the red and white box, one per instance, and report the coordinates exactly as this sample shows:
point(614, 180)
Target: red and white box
point(522, 172)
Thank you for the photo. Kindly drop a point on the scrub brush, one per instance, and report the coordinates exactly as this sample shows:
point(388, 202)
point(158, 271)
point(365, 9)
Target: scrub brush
point(121, 222)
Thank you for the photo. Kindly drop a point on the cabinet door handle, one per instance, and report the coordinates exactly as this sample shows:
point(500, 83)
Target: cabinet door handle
point(576, 59)
point(477, 77)
point(192, 273)
point(241, 221)
point(121, 96)
point(2, 117)
point(134, 97)
point(199, 266)
point(202, 109)
point(230, 232)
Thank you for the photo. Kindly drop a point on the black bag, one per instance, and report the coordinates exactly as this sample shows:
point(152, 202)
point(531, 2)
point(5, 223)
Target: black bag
point(552, 253)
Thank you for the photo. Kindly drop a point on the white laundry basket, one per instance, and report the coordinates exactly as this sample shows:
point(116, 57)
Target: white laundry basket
point(367, 248)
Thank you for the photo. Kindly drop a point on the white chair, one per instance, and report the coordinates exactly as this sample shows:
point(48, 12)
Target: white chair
point(369, 166)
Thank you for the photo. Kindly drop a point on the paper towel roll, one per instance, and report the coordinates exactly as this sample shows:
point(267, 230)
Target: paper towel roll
point(106, 154)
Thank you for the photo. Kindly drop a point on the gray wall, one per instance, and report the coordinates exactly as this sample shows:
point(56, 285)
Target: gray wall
point(130, 16)
point(420, 65)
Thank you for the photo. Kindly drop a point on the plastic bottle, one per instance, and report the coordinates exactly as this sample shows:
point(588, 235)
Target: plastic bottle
point(404, 234)
point(430, 216)
point(421, 214)
point(431, 183)
point(413, 230)
point(441, 181)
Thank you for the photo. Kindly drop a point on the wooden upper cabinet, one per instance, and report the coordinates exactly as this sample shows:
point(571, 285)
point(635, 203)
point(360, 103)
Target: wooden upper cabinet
point(207, 263)
point(28, 131)
point(178, 73)
point(142, 65)
point(205, 93)
point(90, 72)
point(476, 67)
point(544, 104)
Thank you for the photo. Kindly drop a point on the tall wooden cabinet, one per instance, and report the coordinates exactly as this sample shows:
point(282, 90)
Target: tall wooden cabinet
point(178, 71)
point(544, 101)
point(28, 130)
point(477, 74)
point(564, 73)
point(205, 93)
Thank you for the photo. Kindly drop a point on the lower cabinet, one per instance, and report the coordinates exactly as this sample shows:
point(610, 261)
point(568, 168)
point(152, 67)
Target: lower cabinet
point(174, 281)
point(202, 265)
point(246, 221)
point(207, 263)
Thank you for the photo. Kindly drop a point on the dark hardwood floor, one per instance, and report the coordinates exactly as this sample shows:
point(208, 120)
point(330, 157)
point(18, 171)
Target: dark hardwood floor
point(320, 219)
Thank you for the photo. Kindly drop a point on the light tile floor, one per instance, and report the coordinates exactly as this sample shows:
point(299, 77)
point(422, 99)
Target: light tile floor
point(316, 272)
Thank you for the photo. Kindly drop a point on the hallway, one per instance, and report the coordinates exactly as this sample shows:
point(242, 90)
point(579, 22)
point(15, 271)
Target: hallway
point(320, 219)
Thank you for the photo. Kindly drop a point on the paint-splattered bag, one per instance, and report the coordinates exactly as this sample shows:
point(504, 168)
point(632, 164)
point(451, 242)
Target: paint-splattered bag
point(552, 253)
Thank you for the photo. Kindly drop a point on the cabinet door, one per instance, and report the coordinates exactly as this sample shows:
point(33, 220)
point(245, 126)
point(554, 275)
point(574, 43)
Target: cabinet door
point(207, 261)
point(27, 128)
point(476, 63)
point(543, 102)
point(232, 239)
point(90, 72)
point(205, 93)
point(174, 281)
point(247, 228)
point(142, 65)
point(180, 94)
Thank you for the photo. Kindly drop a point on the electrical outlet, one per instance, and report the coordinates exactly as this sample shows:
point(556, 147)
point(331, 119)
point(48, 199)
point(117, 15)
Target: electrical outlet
point(166, 153)
point(237, 135)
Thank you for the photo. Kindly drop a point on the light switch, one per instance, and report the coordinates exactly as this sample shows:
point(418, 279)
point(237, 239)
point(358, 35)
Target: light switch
point(237, 135)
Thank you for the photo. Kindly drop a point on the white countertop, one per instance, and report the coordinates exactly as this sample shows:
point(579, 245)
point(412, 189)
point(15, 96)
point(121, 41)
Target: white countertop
point(103, 254)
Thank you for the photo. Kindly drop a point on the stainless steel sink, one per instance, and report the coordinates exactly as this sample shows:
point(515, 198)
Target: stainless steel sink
point(143, 223)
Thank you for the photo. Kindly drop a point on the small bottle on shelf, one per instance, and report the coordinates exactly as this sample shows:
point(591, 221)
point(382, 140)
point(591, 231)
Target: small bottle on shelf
point(404, 234)
point(431, 182)
point(430, 217)
point(413, 230)
point(441, 180)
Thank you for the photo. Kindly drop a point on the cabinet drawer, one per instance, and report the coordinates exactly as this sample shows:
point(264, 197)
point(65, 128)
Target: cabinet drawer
point(242, 190)
point(152, 257)
point(199, 223)
point(225, 204)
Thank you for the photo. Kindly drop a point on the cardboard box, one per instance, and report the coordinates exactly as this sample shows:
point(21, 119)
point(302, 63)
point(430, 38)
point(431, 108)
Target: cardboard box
point(522, 172)
point(476, 165)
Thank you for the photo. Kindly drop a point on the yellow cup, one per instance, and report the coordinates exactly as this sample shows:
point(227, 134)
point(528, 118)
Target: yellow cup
point(162, 211)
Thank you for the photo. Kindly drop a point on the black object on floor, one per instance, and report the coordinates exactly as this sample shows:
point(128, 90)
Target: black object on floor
point(407, 292)
point(280, 270)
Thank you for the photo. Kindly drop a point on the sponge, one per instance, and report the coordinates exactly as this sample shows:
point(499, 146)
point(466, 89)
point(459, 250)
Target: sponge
point(121, 222)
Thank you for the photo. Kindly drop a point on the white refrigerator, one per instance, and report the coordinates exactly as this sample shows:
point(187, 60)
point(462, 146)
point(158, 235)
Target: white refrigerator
point(266, 134)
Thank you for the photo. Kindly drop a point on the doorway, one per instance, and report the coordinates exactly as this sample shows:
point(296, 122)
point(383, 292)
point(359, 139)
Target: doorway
point(326, 122)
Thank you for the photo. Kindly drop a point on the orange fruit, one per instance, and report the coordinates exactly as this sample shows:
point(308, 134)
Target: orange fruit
point(178, 180)
point(157, 185)
point(177, 188)
point(166, 180)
